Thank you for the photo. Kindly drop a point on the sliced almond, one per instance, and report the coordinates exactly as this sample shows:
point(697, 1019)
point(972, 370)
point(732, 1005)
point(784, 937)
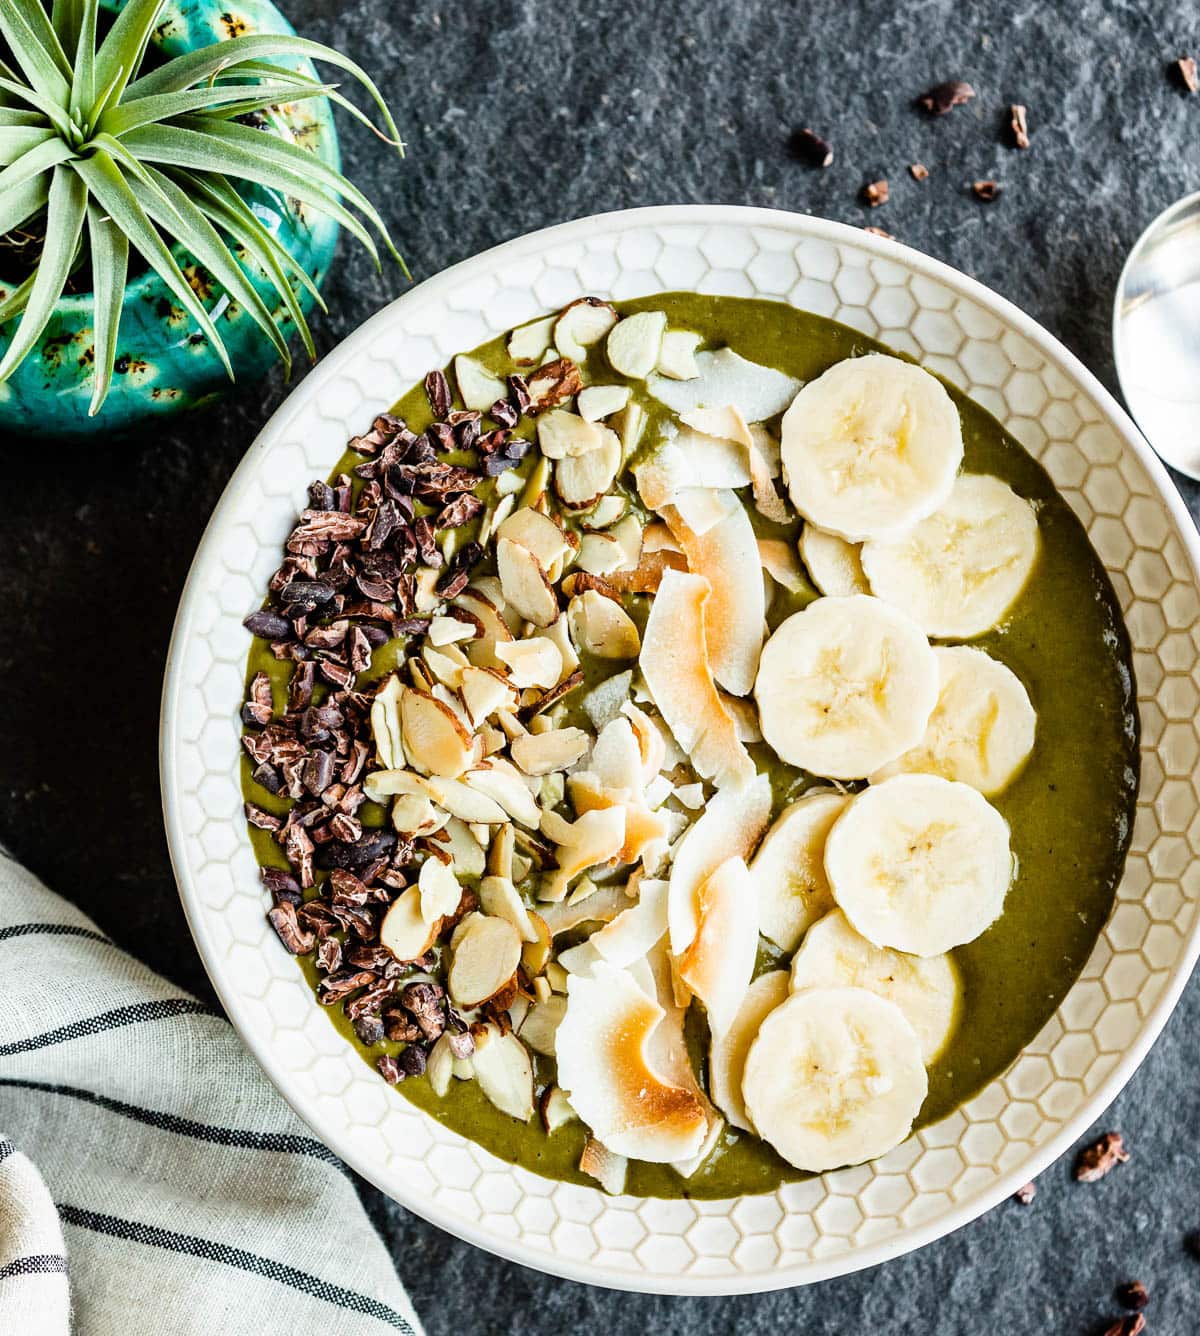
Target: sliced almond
point(495, 515)
point(414, 815)
point(537, 533)
point(601, 627)
point(494, 629)
point(581, 480)
point(434, 738)
point(500, 853)
point(526, 585)
point(531, 663)
point(465, 849)
point(527, 344)
point(452, 701)
point(628, 533)
point(606, 512)
point(499, 897)
point(404, 930)
point(581, 324)
point(541, 1021)
point(536, 953)
point(439, 1068)
point(629, 424)
point(677, 355)
point(601, 401)
point(446, 668)
point(505, 1074)
point(462, 801)
point(448, 631)
point(426, 597)
point(560, 634)
point(552, 384)
point(556, 977)
point(554, 1109)
point(385, 724)
point(477, 387)
point(599, 553)
point(485, 956)
point(558, 749)
point(634, 343)
point(484, 691)
point(563, 435)
point(502, 783)
point(518, 1008)
point(440, 890)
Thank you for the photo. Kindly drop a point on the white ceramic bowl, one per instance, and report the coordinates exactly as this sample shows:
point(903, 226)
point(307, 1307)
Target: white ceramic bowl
point(945, 1175)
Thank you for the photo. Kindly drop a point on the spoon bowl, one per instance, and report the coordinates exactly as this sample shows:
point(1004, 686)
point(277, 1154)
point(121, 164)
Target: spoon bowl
point(1156, 334)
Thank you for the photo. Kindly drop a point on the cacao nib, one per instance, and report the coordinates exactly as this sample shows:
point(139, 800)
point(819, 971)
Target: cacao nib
point(268, 625)
point(412, 1060)
point(944, 97)
point(437, 390)
point(305, 595)
point(389, 1069)
point(336, 987)
point(1100, 1158)
point(329, 955)
point(811, 149)
point(283, 919)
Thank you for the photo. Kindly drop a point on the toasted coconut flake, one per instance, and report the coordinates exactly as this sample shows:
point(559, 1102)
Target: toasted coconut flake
point(385, 724)
point(731, 826)
point(404, 931)
point(553, 383)
point(527, 587)
point(646, 831)
point(635, 342)
point(609, 1170)
point(677, 356)
point(727, 1056)
point(532, 663)
point(601, 627)
point(504, 1073)
point(537, 533)
point(581, 480)
point(594, 838)
point(606, 698)
point(555, 1109)
point(563, 435)
point(757, 392)
point(744, 713)
point(719, 960)
point(600, 401)
point(674, 663)
point(603, 1067)
point(502, 783)
point(498, 897)
point(727, 556)
point(650, 741)
point(601, 905)
point(657, 537)
point(558, 749)
point(691, 796)
point(701, 508)
point(527, 345)
point(617, 757)
point(541, 1023)
point(440, 891)
point(634, 931)
point(434, 739)
point(647, 575)
point(477, 387)
point(535, 954)
point(486, 953)
point(779, 561)
point(690, 459)
point(485, 691)
point(581, 324)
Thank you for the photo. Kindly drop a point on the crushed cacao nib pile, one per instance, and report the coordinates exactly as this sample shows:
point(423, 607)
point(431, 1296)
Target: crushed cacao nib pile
point(362, 567)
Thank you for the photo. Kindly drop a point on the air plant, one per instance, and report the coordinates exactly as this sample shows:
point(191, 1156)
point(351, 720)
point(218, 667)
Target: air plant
point(102, 152)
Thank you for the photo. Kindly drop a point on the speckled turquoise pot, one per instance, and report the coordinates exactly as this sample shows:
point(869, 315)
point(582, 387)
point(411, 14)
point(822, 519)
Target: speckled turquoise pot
point(164, 363)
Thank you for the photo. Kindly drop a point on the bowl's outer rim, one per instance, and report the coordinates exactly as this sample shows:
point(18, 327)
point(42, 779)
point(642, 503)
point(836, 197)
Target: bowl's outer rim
point(561, 234)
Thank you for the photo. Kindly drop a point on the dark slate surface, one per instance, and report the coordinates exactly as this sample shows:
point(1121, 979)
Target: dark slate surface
point(519, 115)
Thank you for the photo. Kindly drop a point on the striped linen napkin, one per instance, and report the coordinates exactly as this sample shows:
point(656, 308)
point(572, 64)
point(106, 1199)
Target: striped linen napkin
point(151, 1178)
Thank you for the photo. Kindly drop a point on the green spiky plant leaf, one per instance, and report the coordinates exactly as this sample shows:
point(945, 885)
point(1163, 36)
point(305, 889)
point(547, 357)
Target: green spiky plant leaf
point(107, 160)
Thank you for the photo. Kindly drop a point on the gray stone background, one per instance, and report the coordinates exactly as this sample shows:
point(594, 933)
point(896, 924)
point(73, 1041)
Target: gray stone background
point(519, 115)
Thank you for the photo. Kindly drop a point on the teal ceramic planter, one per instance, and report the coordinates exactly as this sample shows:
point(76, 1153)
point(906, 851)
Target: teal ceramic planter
point(164, 363)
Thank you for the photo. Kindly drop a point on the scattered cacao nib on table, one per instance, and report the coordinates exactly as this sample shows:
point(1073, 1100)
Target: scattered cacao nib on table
point(987, 191)
point(1133, 1294)
point(876, 193)
point(1100, 1158)
point(1024, 1195)
point(1186, 73)
point(879, 232)
point(1018, 124)
point(1133, 1325)
point(810, 148)
point(918, 171)
point(944, 97)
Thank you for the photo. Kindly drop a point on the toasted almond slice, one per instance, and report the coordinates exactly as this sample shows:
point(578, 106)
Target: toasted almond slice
point(504, 1073)
point(674, 663)
point(581, 324)
point(485, 691)
point(527, 344)
point(677, 356)
point(556, 976)
point(414, 815)
point(600, 905)
point(634, 343)
point(580, 481)
point(541, 1022)
point(445, 668)
point(440, 1066)
point(563, 435)
point(477, 387)
point(601, 401)
point(494, 629)
point(526, 585)
point(448, 631)
point(495, 515)
point(553, 383)
point(500, 853)
point(629, 424)
point(434, 739)
point(599, 553)
point(531, 663)
point(609, 1170)
point(464, 802)
point(385, 724)
point(601, 627)
point(498, 897)
point(485, 956)
point(404, 931)
point(558, 749)
point(594, 838)
point(780, 562)
point(559, 633)
point(536, 954)
point(628, 533)
point(464, 847)
point(452, 701)
point(606, 512)
point(555, 1109)
point(425, 596)
point(502, 783)
point(440, 890)
point(537, 533)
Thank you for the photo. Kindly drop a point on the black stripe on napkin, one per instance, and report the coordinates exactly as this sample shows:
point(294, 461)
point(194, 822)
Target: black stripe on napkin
point(137, 1232)
point(110, 1020)
point(285, 1142)
point(6, 1148)
point(53, 930)
point(39, 1264)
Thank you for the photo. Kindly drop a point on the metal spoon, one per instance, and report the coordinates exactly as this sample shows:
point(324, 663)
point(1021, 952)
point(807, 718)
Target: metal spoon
point(1156, 334)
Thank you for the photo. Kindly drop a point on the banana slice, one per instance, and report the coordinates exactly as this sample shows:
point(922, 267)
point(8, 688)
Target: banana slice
point(982, 728)
point(871, 447)
point(834, 1077)
point(919, 863)
point(727, 1054)
point(925, 989)
point(834, 564)
point(845, 686)
point(788, 871)
point(960, 570)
